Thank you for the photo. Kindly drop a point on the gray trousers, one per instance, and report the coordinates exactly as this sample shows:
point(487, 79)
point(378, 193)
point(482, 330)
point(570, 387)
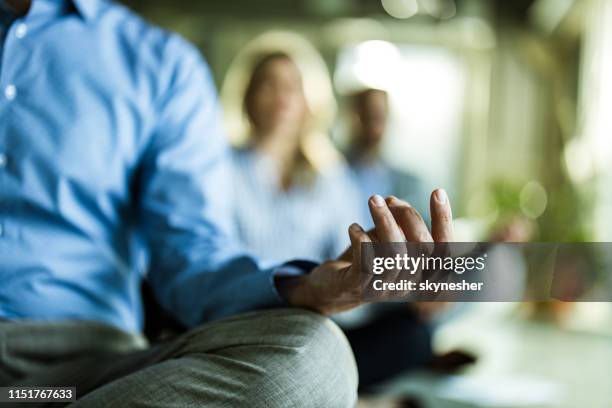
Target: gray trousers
point(272, 358)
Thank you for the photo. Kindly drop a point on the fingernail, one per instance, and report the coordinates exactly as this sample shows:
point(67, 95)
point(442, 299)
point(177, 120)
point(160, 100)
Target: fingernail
point(441, 196)
point(378, 200)
point(393, 201)
point(355, 227)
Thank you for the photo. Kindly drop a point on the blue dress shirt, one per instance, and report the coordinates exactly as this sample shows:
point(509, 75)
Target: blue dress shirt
point(109, 135)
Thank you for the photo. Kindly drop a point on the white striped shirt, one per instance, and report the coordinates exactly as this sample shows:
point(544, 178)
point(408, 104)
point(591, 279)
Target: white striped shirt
point(306, 222)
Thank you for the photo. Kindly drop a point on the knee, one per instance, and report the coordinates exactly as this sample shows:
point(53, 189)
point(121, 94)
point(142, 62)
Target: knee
point(282, 357)
point(326, 362)
point(310, 365)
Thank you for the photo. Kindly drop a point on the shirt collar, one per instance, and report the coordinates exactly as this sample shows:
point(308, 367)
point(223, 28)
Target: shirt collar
point(88, 9)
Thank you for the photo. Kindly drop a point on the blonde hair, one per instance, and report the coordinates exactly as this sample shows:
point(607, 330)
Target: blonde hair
point(315, 146)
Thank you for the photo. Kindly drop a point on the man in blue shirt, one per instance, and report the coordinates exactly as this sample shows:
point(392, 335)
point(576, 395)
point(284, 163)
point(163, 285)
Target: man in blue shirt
point(110, 138)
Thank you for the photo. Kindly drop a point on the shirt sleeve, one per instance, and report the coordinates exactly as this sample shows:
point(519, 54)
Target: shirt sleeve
point(197, 271)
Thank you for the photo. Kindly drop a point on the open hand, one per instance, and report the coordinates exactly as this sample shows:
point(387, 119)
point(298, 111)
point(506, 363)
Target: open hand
point(336, 286)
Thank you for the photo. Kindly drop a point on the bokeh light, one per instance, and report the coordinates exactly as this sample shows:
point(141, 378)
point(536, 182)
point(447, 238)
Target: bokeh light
point(533, 199)
point(401, 8)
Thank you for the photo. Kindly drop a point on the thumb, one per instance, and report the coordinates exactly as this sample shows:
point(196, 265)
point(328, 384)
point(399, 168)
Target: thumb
point(358, 236)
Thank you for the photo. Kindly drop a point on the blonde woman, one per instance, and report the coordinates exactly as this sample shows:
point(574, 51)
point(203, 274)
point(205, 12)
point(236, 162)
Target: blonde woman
point(288, 179)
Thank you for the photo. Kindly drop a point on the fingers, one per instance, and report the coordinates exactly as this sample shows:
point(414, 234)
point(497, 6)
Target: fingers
point(409, 220)
point(358, 236)
point(396, 221)
point(387, 229)
point(441, 217)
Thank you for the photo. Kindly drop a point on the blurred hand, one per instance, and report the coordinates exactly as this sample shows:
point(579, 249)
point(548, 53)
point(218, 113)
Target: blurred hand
point(336, 286)
point(428, 310)
point(517, 229)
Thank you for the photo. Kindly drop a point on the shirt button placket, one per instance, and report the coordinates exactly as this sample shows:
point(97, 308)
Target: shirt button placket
point(10, 93)
point(3, 163)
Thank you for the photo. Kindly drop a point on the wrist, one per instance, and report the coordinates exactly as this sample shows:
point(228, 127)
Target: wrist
point(296, 291)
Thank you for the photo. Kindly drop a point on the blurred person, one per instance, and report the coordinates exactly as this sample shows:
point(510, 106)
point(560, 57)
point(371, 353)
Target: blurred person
point(370, 113)
point(288, 191)
point(109, 130)
point(402, 335)
point(506, 275)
